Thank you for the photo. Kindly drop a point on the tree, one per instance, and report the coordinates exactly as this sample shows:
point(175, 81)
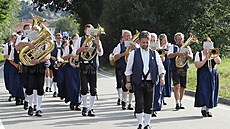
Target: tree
point(67, 24)
point(8, 18)
point(214, 23)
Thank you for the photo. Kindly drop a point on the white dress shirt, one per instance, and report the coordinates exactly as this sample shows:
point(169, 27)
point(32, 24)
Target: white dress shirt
point(197, 57)
point(77, 45)
point(145, 59)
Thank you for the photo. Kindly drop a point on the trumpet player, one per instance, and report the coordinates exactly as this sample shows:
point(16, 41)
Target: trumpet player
point(120, 54)
point(168, 81)
point(207, 78)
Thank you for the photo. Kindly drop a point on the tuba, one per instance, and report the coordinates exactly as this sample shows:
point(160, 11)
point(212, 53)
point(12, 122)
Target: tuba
point(181, 61)
point(43, 45)
point(91, 52)
point(134, 40)
point(112, 60)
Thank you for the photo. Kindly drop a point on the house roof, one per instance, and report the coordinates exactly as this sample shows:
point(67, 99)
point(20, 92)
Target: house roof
point(23, 22)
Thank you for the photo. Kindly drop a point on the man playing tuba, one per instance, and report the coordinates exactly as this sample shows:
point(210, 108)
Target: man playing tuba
point(32, 75)
point(85, 46)
point(179, 75)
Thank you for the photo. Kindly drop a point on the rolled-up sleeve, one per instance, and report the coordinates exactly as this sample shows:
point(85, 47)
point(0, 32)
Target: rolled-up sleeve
point(76, 46)
point(129, 65)
point(117, 49)
point(160, 65)
point(5, 50)
point(102, 51)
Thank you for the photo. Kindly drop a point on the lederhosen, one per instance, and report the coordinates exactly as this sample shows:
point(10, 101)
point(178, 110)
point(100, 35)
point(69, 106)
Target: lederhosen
point(207, 85)
point(88, 74)
point(179, 75)
point(120, 70)
point(143, 88)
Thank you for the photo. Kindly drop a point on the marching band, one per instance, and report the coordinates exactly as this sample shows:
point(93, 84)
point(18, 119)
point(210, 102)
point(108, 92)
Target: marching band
point(146, 68)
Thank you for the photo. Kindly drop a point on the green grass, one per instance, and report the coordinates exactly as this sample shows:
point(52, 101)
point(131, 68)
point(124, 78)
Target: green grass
point(1, 57)
point(224, 76)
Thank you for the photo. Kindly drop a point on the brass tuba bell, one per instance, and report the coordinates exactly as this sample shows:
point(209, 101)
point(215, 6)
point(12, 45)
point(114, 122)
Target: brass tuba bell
point(181, 61)
point(43, 45)
point(91, 53)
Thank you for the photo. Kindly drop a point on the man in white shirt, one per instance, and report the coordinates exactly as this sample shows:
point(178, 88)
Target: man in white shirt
point(142, 71)
point(120, 55)
point(88, 69)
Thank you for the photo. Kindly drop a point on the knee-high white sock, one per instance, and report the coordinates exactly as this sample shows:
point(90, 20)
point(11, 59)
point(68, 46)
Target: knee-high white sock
point(35, 94)
point(51, 82)
point(124, 96)
point(55, 87)
point(147, 118)
point(139, 118)
point(47, 81)
point(119, 93)
point(207, 109)
point(130, 98)
point(91, 102)
point(30, 98)
point(25, 95)
point(40, 98)
point(84, 100)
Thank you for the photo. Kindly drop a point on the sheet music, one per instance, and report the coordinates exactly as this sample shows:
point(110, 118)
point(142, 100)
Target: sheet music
point(128, 43)
point(32, 35)
point(183, 50)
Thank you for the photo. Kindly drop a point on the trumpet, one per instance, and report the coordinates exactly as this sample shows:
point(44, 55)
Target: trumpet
point(161, 52)
point(215, 52)
point(58, 64)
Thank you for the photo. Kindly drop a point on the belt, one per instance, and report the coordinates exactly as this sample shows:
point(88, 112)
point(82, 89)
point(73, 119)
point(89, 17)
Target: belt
point(87, 62)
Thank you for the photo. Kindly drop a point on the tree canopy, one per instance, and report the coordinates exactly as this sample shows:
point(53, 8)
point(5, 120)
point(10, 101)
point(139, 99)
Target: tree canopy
point(201, 17)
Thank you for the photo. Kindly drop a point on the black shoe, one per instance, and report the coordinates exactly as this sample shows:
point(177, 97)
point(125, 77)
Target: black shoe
point(84, 110)
point(123, 105)
point(35, 107)
point(47, 89)
point(38, 113)
point(177, 106)
point(17, 101)
point(139, 126)
point(77, 108)
point(147, 127)
point(164, 103)
point(30, 111)
point(25, 105)
point(130, 107)
point(21, 102)
point(71, 106)
point(50, 90)
point(119, 102)
point(203, 112)
point(181, 107)
point(154, 114)
point(10, 98)
point(55, 94)
point(91, 113)
point(209, 114)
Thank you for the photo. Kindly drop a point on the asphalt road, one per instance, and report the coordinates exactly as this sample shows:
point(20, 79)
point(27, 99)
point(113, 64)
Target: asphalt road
point(56, 114)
